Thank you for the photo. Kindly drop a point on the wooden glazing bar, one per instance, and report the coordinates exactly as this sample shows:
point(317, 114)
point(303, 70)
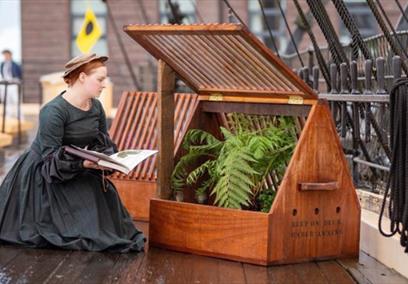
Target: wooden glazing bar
point(158, 54)
point(264, 64)
point(290, 76)
point(140, 125)
point(133, 121)
point(183, 104)
point(199, 63)
point(185, 121)
point(113, 129)
point(239, 60)
point(173, 49)
point(121, 121)
point(149, 109)
point(239, 74)
point(227, 63)
point(247, 58)
point(180, 62)
point(215, 71)
point(151, 143)
point(126, 122)
point(225, 77)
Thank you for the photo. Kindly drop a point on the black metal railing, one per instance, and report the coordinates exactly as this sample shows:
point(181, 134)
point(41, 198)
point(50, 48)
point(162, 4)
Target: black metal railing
point(360, 108)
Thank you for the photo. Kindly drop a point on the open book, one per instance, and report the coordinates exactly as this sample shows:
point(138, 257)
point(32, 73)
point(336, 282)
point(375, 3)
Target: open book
point(123, 161)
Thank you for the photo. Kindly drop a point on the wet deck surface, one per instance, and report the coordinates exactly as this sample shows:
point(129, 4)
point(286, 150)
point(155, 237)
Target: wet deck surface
point(23, 265)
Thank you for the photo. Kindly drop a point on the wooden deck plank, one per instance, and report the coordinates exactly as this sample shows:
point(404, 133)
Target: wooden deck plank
point(310, 272)
point(335, 273)
point(283, 274)
point(8, 253)
point(22, 265)
point(83, 266)
point(32, 265)
point(369, 270)
point(231, 272)
point(255, 274)
point(125, 269)
point(204, 269)
point(161, 266)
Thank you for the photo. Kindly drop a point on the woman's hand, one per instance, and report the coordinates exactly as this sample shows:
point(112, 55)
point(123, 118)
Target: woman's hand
point(91, 165)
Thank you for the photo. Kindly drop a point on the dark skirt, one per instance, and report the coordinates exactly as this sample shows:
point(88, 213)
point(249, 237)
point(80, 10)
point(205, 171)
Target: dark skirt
point(81, 213)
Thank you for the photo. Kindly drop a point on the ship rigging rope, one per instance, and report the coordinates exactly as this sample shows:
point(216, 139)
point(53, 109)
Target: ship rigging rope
point(392, 28)
point(397, 184)
point(290, 34)
point(402, 10)
point(387, 35)
point(350, 24)
point(268, 27)
point(336, 51)
point(265, 20)
point(318, 52)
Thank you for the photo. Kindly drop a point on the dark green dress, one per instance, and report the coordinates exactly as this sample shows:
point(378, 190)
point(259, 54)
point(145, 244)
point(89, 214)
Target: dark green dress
point(49, 200)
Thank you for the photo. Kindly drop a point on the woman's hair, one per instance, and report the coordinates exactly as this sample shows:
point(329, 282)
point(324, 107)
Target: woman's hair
point(87, 68)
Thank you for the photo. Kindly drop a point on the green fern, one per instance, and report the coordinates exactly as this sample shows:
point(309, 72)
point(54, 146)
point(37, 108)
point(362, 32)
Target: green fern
point(234, 169)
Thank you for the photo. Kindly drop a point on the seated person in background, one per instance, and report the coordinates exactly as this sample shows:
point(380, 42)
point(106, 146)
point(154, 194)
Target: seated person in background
point(52, 199)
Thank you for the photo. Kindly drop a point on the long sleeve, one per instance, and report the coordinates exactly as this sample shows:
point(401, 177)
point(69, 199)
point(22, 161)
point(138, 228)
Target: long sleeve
point(58, 166)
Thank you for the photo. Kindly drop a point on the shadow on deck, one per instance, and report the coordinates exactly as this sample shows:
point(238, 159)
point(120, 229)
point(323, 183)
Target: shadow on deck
point(22, 265)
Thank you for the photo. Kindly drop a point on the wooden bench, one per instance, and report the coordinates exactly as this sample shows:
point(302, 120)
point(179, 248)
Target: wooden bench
point(134, 127)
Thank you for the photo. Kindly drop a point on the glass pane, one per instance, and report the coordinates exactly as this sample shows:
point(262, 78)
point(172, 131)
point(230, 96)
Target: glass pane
point(80, 6)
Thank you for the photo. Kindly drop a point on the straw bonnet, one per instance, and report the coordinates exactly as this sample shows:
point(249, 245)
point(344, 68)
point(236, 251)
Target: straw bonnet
point(80, 60)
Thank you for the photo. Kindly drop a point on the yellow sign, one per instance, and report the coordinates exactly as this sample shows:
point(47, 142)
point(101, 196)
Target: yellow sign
point(90, 32)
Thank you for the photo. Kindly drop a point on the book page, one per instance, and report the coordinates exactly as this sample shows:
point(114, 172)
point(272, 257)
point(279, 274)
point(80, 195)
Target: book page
point(96, 154)
point(114, 166)
point(131, 158)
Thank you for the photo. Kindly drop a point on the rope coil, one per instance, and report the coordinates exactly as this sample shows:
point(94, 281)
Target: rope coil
point(397, 185)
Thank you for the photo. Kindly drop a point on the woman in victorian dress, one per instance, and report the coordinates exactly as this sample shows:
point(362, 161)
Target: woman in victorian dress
point(52, 199)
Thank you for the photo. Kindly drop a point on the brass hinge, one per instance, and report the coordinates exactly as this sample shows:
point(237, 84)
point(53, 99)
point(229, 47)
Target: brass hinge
point(216, 97)
point(295, 100)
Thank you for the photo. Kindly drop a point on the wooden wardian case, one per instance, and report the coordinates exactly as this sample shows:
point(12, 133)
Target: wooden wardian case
point(316, 213)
